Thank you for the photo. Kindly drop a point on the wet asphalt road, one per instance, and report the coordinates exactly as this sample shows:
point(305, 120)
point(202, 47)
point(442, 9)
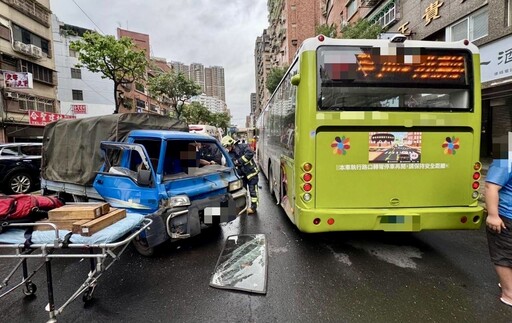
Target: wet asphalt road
point(340, 277)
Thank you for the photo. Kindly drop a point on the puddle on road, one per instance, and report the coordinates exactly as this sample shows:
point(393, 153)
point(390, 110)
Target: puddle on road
point(340, 257)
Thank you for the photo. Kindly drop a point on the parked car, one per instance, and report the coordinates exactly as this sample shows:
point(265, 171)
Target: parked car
point(20, 165)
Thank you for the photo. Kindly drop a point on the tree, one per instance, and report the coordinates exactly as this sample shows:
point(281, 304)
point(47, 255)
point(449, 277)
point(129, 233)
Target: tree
point(196, 113)
point(117, 59)
point(274, 77)
point(221, 120)
point(174, 86)
point(362, 29)
point(327, 30)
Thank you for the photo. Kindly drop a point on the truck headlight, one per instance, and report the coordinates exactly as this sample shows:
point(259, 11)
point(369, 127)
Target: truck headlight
point(178, 200)
point(236, 185)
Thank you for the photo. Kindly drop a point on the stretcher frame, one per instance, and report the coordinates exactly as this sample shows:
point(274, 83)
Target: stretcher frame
point(101, 257)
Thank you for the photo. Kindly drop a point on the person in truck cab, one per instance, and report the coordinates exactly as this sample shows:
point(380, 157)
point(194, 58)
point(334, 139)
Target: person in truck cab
point(242, 156)
point(208, 154)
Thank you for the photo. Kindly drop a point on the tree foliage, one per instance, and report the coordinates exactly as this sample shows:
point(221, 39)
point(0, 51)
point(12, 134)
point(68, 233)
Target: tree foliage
point(274, 77)
point(174, 86)
point(362, 29)
point(196, 113)
point(327, 30)
point(117, 59)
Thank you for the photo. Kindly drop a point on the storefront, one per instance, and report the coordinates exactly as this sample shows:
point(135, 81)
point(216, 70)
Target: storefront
point(496, 77)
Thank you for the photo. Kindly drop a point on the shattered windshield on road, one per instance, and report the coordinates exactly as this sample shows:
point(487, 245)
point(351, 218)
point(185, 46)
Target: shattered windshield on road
point(242, 264)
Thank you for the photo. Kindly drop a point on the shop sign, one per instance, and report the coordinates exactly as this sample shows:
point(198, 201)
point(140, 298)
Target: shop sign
point(79, 108)
point(432, 12)
point(496, 60)
point(17, 80)
point(40, 118)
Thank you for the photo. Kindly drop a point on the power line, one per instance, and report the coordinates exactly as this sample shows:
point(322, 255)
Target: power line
point(88, 17)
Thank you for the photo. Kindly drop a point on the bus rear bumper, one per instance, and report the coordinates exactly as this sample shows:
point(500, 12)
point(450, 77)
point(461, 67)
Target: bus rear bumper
point(410, 220)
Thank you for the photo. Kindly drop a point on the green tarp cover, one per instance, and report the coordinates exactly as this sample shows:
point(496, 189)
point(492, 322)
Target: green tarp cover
point(71, 147)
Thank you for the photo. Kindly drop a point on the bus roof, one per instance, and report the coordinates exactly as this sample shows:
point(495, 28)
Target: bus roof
point(313, 43)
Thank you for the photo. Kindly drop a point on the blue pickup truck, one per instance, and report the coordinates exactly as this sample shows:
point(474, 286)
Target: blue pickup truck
point(155, 172)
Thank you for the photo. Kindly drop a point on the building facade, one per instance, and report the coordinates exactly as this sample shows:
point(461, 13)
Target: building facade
point(290, 23)
point(135, 96)
point(214, 105)
point(81, 92)
point(27, 82)
point(215, 82)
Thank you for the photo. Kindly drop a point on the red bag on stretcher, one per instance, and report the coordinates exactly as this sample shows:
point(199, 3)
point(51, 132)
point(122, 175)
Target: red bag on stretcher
point(21, 206)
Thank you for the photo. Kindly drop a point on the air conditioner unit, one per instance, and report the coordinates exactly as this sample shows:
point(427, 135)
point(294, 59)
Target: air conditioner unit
point(11, 95)
point(36, 51)
point(22, 47)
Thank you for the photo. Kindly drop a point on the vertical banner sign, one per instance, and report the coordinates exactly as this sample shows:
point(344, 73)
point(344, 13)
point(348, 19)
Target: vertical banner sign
point(79, 108)
point(39, 118)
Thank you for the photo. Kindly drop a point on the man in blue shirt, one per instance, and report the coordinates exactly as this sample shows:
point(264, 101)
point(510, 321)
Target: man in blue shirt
point(498, 200)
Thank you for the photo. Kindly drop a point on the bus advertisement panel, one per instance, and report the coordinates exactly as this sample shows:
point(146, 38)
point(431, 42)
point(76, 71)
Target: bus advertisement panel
point(376, 135)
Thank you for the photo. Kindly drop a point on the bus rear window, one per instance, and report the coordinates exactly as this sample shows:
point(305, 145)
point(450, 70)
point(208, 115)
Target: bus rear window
point(358, 78)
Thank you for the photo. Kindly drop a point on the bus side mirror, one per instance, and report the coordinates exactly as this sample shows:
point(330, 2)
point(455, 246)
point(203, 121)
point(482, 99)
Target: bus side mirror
point(144, 177)
point(295, 79)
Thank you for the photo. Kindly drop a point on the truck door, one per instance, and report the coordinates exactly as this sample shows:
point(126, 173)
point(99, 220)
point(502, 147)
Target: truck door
point(127, 179)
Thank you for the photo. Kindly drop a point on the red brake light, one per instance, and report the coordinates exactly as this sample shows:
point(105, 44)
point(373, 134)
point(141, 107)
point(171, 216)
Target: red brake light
point(307, 187)
point(475, 185)
point(316, 221)
point(321, 37)
point(476, 176)
point(307, 177)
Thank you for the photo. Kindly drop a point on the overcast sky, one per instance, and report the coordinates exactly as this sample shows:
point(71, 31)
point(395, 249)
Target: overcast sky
point(210, 32)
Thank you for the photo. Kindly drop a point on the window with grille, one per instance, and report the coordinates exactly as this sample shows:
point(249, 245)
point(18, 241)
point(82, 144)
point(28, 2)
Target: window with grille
point(39, 73)
point(76, 73)
point(78, 95)
point(472, 27)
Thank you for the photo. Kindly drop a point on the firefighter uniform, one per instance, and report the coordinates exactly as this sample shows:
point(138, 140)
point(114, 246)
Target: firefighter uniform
point(242, 155)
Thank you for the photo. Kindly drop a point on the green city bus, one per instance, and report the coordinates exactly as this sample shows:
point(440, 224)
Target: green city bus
point(380, 134)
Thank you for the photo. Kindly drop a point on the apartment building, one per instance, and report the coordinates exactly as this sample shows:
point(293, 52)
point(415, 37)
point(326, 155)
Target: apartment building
point(28, 82)
point(290, 23)
point(81, 92)
point(135, 96)
point(213, 104)
point(215, 82)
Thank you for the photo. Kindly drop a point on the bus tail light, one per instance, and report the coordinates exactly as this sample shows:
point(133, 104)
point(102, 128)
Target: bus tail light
point(307, 167)
point(476, 176)
point(316, 221)
point(330, 221)
point(475, 185)
point(477, 166)
point(307, 177)
point(321, 37)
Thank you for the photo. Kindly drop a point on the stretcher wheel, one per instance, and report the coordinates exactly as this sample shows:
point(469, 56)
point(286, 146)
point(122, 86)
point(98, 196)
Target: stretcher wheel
point(87, 295)
point(30, 289)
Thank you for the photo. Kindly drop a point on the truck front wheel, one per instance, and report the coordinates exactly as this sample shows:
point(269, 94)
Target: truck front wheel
point(142, 246)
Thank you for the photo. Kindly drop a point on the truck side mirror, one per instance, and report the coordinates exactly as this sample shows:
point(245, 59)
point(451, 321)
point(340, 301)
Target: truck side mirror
point(144, 177)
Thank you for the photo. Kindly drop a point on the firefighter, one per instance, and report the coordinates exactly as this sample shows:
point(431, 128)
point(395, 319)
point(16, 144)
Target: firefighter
point(242, 156)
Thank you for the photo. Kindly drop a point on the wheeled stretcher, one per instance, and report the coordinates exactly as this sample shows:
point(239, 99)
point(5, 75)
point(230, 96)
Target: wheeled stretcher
point(102, 249)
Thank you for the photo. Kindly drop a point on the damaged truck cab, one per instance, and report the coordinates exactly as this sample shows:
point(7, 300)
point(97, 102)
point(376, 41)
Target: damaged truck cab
point(160, 173)
point(147, 164)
